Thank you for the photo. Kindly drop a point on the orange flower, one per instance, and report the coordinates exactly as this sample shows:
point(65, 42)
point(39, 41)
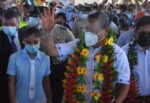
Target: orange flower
point(38, 2)
point(95, 95)
point(105, 41)
point(81, 71)
point(110, 41)
point(81, 89)
point(98, 57)
point(85, 52)
point(98, 77)
point(105, 59)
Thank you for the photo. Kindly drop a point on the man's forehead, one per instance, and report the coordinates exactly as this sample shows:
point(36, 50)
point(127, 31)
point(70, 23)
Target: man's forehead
point(10, 20)
point(145, 28)
point(93, 20)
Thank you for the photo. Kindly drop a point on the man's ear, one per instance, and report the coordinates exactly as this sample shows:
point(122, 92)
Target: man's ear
point(105, 31)
point(136, 34)
point(18, 24)
point(23, 42)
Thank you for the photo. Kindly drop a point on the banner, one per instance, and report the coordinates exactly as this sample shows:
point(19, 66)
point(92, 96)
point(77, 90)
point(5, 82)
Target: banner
point(35, 2)
point(38, 2)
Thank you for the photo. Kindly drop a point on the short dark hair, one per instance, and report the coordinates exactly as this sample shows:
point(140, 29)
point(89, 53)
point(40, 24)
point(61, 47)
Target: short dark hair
point(102, 17)
point(123, 7)
point(10, 13)
point(15, 9)
point(31, 30)
point(63, 15)
point(145, 20)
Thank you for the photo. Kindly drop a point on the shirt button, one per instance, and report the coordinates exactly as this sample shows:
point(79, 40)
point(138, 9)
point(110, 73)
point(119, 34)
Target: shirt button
point(31, 88)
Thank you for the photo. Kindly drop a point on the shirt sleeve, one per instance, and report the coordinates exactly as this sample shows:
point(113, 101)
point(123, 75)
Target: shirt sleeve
point(121, 40)
point(70, 36)
point(122, 67)
point(66, 49)
point(48, 69)
point(11, 70)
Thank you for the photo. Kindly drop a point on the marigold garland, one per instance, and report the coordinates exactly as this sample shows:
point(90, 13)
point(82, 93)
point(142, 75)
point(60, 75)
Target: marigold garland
point(104, 75)
point(132, 57)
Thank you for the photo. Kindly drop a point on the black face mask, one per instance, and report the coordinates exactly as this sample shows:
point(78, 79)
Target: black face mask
point(144, 39)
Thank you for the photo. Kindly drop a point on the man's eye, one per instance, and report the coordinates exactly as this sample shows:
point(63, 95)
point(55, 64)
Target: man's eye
point(28, 42)
point(13, 25)
point(36, 42)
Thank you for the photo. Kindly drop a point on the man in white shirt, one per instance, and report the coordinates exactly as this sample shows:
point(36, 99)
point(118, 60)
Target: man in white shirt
point(97, 26)
point(140, 60)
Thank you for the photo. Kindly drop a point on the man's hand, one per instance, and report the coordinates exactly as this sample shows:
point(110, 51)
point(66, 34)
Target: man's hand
point(48, 44)
point(48, 19)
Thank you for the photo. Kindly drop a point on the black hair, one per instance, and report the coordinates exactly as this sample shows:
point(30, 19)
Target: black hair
point(10, 13)
point(124, 26)
point(31, 30)
point(145, 20)
point(102, 17)
point(93, 16)
point(26, 6)
point(16, 9)
point(130, 9)
point(123, 7)
point(125, 15)
point(132, 5)
point(63, 15)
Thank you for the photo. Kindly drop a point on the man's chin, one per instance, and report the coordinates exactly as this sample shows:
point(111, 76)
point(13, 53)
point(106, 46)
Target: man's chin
point(59, 23)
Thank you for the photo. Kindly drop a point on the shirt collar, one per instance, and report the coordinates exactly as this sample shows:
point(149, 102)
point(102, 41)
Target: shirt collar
point(26, 56)
point(140, 48)
point(16, 35)
point(96, 50)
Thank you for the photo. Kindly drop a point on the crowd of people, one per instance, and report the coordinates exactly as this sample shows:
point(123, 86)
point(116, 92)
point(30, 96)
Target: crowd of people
point(91, 53)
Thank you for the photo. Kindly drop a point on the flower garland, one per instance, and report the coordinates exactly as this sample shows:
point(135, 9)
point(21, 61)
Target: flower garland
point(132, 57)
point(104, 75)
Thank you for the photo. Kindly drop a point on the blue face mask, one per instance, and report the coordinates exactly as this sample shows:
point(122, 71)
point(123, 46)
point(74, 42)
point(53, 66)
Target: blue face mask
point(32, 48)
point(129, 16)
point(33, 21)
point(10, 30)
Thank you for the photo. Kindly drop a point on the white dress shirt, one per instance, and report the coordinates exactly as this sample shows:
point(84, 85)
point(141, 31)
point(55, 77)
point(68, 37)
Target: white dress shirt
point(142, 70)
point(121, 64)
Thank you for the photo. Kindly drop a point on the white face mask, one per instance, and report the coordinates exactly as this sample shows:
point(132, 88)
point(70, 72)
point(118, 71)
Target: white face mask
point(118, 11)
point(91, 39)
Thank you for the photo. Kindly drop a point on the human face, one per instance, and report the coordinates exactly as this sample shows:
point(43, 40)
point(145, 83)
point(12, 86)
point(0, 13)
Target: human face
point(60, 20)
point(11, 22)
point(32, 45)
point(94, 27)
point(143, 36)
point(26, 12)
point(2, 4)
point(32, 40)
